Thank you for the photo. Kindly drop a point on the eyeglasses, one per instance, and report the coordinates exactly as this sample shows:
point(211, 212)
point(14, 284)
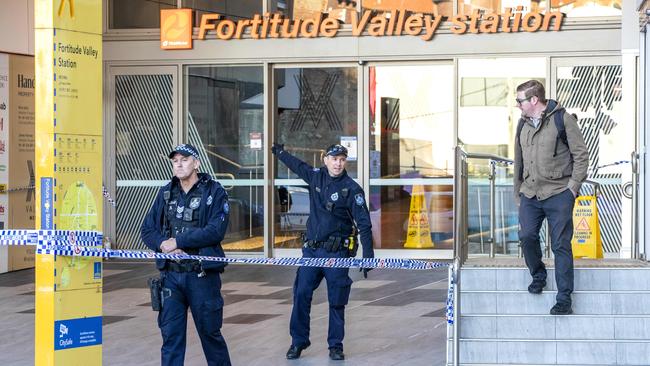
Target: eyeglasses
point(519, 101)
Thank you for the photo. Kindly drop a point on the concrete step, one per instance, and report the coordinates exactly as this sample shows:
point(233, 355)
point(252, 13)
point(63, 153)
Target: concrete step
point(585, 279)
point(549, 327)
point(584, 303)
point(514, 352)
point(502, 324)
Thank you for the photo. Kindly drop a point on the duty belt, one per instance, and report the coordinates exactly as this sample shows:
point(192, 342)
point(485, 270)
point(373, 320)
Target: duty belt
point(332, 244)
point(189, 266)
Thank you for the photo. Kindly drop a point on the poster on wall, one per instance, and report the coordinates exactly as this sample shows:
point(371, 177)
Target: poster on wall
point(4, 177)
point(20, 150)
point(350, 143)
point(16, 155)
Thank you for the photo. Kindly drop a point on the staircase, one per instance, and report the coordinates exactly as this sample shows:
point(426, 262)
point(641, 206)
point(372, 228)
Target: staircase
point(502, 324)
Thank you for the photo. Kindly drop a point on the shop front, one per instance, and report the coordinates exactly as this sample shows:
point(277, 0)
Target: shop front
point(400, 91)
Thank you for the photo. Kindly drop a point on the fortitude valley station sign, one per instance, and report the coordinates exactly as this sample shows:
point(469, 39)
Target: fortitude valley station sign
point(176, 30)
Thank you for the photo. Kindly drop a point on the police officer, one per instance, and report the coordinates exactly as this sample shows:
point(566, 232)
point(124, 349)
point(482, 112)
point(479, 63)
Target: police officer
point(337, 211)
point(189, 215)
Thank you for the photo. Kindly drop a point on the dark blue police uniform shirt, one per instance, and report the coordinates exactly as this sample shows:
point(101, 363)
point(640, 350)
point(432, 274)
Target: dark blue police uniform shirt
point(213, 218)
point(324, 188)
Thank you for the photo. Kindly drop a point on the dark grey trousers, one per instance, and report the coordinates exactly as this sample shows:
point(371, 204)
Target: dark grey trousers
point(559, 212)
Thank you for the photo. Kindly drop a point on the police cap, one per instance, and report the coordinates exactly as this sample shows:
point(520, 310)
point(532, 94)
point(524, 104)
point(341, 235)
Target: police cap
point(336, 149)
point(185, 150)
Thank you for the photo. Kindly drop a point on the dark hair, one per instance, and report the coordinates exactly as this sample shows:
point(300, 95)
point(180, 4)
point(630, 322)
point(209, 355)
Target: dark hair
point(533, 88)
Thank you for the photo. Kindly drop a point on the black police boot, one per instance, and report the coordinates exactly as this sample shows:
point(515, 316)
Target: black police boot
point(295, 351)
point(336, 354)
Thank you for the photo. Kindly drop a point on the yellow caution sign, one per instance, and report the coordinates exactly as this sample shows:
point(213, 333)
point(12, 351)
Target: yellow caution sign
point(586, 231)
point(418, 235)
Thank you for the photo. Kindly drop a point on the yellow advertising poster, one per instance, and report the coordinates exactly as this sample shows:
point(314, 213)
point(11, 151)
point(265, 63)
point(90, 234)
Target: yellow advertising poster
point(68, 177)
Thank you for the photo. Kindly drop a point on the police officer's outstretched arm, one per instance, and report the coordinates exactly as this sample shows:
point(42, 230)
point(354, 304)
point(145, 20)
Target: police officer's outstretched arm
point(215, 229)
point(151, 230)
point(304, 170)
point(361, 216)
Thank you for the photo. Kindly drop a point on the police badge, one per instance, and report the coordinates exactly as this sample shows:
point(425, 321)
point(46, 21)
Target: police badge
point(209, 200)
point(335, 196)
point(195, 202)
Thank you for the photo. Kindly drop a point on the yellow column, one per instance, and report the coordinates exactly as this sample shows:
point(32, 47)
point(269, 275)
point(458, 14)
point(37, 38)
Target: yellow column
point(68, 177)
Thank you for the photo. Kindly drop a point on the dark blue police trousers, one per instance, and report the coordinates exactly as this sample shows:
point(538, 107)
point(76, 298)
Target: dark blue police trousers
point(203, 296)
point(558, 210)
point(338, 293)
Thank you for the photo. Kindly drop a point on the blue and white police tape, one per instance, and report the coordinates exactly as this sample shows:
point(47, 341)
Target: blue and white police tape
point(51, 237)
point(386, 263)
point(89, 244)
point(450, 303)
point(620, 162)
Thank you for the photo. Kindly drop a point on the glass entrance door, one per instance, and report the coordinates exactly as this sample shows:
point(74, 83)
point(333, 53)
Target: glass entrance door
point(592, 89)
point(224, 119)
point(410, 123)
point(315, 106)
point(142, 129)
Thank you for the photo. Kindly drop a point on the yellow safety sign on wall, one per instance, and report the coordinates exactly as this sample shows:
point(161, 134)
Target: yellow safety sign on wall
point(586, 240)
point(418, 235)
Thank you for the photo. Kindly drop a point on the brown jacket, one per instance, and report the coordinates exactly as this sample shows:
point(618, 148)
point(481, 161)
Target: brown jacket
point(545, 175)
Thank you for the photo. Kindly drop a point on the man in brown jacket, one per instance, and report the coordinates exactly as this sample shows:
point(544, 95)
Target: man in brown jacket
point(549, 170)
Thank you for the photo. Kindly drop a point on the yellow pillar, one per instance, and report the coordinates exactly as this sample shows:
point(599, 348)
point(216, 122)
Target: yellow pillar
point(68, 177)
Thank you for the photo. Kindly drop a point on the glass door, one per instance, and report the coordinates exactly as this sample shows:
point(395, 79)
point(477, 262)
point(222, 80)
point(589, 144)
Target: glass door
point(592, 89)
point(315, 106)
point(487, 123)
point(410, 124)
point(141, 131)
point(224, 119)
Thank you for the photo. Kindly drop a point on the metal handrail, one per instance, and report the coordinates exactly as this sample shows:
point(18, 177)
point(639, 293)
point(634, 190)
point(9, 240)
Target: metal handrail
point(461, 237)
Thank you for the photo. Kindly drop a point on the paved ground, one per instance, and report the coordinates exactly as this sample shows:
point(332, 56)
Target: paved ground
point(394, 317)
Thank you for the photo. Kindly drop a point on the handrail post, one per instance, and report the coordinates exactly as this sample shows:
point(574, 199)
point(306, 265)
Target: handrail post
point(492, 179)
point(635, 205)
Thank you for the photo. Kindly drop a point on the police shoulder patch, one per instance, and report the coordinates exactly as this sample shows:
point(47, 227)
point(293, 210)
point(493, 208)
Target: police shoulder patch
point(226, 207)
point(358, 198)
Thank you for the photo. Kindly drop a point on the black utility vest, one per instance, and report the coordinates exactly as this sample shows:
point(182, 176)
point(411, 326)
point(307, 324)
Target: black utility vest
point(183, 213)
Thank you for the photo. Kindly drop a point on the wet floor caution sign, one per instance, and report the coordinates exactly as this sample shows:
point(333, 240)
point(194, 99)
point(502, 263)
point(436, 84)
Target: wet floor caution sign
point(418, 235)
point(586, 240)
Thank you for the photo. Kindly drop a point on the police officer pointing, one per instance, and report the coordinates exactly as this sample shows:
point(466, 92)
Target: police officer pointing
point(189, 215)
point(337, 211)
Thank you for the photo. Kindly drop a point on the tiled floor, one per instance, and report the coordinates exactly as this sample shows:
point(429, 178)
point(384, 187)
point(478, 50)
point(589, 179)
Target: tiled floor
point(394, 317)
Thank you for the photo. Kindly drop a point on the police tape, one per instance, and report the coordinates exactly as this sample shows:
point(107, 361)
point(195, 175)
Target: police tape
point(450, 303)
point(111, 201)
point(89, 244)
point(50, 237)
point(384, 263)
point(620, 162)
